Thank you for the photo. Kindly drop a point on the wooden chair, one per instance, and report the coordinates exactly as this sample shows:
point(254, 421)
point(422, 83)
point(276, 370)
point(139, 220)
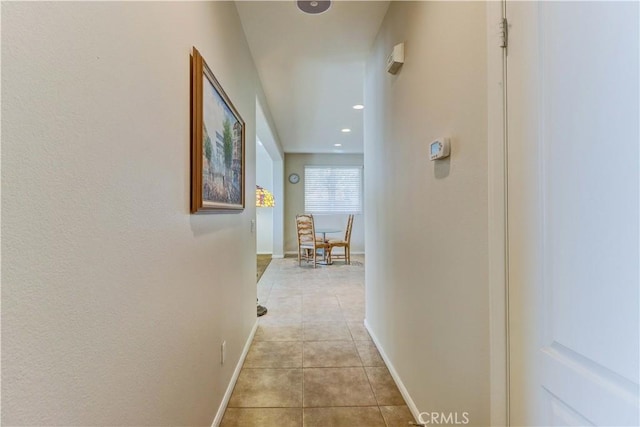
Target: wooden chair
point(346, 244)
point(307, 239)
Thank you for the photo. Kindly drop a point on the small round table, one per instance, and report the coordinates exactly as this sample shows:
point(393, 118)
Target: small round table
point(324, 232)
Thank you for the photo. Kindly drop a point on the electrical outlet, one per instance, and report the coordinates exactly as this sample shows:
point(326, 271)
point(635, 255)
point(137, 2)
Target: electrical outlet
point(223, 352)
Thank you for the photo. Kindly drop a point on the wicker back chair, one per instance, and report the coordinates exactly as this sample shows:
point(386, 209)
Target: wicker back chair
point(308, 242)
point(346, 243)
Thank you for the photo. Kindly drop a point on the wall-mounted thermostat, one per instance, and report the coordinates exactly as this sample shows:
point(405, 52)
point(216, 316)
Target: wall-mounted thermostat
point(395, 58)
point(439, 149)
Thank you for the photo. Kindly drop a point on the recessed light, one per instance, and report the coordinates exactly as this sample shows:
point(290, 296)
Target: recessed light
point(337, 145)
point(345, 130)
point(358, 107)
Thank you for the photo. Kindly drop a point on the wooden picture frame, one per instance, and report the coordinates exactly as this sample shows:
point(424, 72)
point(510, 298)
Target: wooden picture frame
point(217, 144)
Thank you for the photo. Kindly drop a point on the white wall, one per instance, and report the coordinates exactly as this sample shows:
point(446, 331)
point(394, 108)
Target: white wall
point(115, 299)
point(427, 297)
point(264, 216)
point(294, 199)
point(265, 131)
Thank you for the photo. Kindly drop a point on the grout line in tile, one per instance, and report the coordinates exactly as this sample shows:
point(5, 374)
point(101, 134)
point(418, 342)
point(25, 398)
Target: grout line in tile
point(370, 385)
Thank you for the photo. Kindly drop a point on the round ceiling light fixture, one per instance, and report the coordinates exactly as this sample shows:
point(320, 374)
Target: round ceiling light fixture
point(313, 7)
point(358, 107)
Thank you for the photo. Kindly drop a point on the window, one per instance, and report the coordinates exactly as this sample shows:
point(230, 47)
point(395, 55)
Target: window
point(333, 189)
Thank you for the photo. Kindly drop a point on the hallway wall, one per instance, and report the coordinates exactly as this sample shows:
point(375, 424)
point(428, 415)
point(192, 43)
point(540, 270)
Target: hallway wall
point(427, 296)
point(264, 216)
point(115, 300)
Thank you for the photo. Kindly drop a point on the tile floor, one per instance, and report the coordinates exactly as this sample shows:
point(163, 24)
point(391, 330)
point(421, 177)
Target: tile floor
point(312, 362)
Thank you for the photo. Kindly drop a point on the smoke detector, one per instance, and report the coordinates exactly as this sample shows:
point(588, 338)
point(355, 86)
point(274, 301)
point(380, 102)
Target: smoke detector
point(313, 7)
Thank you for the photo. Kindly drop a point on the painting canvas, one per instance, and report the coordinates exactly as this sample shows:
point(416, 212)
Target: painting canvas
point(217, 144)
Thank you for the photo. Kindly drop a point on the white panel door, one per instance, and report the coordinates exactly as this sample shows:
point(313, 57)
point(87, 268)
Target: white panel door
point(573, 153)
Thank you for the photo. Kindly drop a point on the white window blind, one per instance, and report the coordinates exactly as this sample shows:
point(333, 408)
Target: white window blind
point(333, 189)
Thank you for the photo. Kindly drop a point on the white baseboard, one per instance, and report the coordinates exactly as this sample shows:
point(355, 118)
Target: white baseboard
point(232, 383)
point(394, 374)
point(265, 253)
point(277, 256)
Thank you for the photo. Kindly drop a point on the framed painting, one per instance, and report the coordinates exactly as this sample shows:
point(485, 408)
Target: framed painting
point(217, 144)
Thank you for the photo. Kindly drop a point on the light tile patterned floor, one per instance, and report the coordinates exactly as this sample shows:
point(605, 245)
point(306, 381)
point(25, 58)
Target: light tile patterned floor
point(312, 362)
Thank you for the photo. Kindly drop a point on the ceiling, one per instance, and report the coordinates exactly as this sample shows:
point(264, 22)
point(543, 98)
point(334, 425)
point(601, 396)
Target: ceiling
point(312, 69)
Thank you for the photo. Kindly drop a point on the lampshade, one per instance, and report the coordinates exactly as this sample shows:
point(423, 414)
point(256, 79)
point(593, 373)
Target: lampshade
point(264, 199)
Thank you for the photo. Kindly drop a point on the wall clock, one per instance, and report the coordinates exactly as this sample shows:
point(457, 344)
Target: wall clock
point(294, 178)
